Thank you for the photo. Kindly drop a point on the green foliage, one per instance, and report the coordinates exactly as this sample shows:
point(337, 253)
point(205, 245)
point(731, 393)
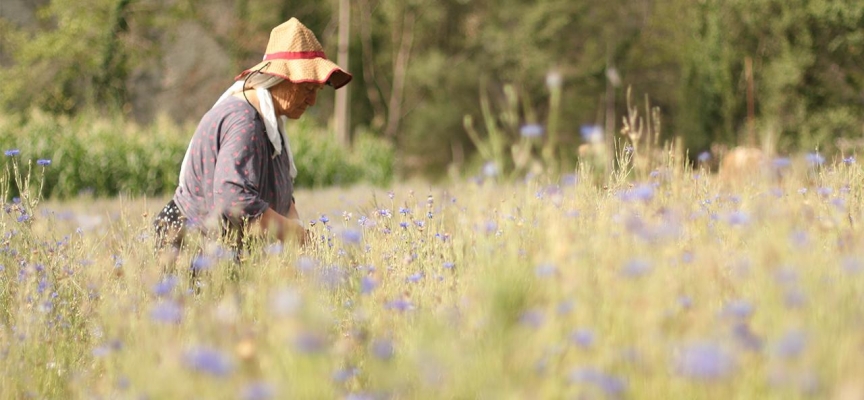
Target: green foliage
point(81, 54)
point(106, 157)
point(420, 66)
point(321, 161)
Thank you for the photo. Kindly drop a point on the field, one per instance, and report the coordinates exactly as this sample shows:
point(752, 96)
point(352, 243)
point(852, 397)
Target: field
point(675, 286)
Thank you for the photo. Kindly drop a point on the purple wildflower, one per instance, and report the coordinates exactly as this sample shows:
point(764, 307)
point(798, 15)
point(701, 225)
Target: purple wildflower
point(792, 344)
point(746, 338)
point(545, 270)
point(643, 192)
point(532, 318)
point(740, 309)
point(201, 263)
point(208, 361)
point(531, 131)
point(399, 305)
point(704, 361)
point(165, 286)
point(490, 169)
point(781, 162)
point(343, 375)
point(849, 160)
point(815, 159)
point(794, 298)
point(636, 268)
point(582, 337)
point(367, 285)
point(414, 278)
point(382, 349)
point(167, 312)
point(704, 157)
point(12, 152)
point(306, 264)
point(611, 385)
point(257, 391)
point(351, 236)
point(43, 162)
point(591, 133)
point(309, 343)
point(565, 307)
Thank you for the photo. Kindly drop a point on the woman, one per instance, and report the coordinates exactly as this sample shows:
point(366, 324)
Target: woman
point(238, 172)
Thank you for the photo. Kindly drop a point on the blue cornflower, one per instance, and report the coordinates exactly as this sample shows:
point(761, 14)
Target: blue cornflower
point(704, 157)
point(794, 298)
point(306, 264)
point(415, 277)
point(565, 307)
point(738, 309)
point(815, 159)
point(609, 384)
point(704, 361)
point(165, 286)
point(385, 213)
point(399, 305)
point(209, 361)
point(738, 218)
point(781, 162)
point(167, 312)
point(582, 337)
point(490, 169)
point(309, 343)
point(343, 375)
point(532, 318)
point(531, 131)
point(746, 338)
point(351, 236)
point(403, 225)
point(257, 391)
point(201, 263)
point(23, 218)
point(382, 349)
point(404, 211)
point(644, 192)
point(792, 344)
point(591, 133)
point(12, 152)
point(849, 160)
point(43, 162)
point(449, 265)
point(367, 285)
point(273, 248)
point(636, 267)
point(324, 219)
point(545, 270)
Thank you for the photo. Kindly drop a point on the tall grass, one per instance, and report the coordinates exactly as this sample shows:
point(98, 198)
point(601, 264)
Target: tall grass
point(672, 286)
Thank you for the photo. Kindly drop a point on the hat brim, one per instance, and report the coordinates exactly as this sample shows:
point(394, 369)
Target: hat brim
point(318, 70)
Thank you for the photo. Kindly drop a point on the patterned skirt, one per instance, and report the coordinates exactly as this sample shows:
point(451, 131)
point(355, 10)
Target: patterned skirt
point(170, 226)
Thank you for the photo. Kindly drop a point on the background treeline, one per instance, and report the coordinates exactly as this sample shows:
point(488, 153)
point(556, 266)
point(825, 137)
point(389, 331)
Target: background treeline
point(786, 73)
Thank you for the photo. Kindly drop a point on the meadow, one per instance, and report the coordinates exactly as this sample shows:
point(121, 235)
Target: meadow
point(671, 285)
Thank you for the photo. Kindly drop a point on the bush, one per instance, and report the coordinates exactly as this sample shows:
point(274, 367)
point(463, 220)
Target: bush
point(110, 156)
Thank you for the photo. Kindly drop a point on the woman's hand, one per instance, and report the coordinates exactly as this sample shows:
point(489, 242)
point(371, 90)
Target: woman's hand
point(285, 229)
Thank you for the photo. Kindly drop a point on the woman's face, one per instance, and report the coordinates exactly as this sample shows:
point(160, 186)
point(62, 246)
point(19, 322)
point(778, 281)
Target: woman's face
point(291, 99)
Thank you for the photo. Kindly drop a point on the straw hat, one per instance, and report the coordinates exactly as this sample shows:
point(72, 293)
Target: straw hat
point(293, 53)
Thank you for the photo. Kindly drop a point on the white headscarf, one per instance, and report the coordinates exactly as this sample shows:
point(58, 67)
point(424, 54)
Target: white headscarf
point(275, 126)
